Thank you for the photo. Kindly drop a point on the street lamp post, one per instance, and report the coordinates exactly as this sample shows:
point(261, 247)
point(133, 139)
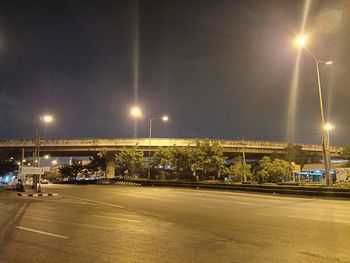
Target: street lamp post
point(137, 113)
point(301, 41)
point(46, 119)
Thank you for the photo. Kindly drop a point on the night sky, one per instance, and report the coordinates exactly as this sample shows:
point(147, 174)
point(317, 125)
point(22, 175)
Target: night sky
point(219, 69)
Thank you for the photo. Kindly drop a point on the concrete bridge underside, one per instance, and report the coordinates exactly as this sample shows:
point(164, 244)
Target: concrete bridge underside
point(89, 147)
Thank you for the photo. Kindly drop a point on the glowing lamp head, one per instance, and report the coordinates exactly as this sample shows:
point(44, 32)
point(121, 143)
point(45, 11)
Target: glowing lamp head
point(47, 118)
point(328, 126)
point(54, 162)
point(301, 41)
point(136, 112)
point(165, 118)
point(329, 62)
point(47, 156)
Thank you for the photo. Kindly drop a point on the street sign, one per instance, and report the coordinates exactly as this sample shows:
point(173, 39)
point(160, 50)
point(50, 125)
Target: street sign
point(47, 168)
point(295, 168)
point(31, 170)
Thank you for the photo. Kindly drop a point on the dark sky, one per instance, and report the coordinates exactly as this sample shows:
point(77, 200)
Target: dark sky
point(219, 69)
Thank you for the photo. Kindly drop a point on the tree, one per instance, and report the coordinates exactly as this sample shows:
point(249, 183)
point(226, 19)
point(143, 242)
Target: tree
point(66, 170)
point(279, 171)
point(77, 167)
point(294, 153)
point(161, 157)
point(181, 160)
point(262, 173)
point(273, 171)
point(97, 163)
point(241, 172)
point(7, 166)
point(209, 157)
point(130, 159)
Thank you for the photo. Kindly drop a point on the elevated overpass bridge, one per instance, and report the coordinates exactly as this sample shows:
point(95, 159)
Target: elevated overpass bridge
point(89, 147)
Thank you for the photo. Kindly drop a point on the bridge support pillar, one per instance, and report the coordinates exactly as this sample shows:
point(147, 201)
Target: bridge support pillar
point(110, 165)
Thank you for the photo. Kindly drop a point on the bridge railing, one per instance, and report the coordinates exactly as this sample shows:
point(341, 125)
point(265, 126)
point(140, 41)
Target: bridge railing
point(158, 142)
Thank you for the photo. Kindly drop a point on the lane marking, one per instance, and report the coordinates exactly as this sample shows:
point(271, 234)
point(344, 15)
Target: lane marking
point(96, 202)
point(242, 203)
point(119, 218)
point(41, 232)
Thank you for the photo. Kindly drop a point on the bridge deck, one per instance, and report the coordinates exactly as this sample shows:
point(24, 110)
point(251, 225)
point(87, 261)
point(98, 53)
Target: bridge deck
point(85, 147)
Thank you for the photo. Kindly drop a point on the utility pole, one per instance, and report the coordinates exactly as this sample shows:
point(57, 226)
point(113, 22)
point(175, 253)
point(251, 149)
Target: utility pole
point(243, 155)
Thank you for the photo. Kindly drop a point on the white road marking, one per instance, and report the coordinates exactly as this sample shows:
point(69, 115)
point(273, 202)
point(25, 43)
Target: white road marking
point(242, 203)
point(41, 232)
point(119, 218)
point(96, 202)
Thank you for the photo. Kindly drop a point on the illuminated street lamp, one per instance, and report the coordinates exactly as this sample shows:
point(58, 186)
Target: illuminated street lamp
point(301, 41)
point(328, 127)
point(137, 113)
point(46, 119)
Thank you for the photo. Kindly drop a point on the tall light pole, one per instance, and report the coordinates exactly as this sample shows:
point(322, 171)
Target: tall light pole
point(301, 42)
point(46, 119)
point(329, 127)
point(137, 113)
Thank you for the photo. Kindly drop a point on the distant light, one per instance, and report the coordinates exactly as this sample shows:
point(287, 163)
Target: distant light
point(28, 164)
point(328, 126)
point(47, 156)
point(24, 160)
point(301, 41)
point(54, 162)
point(47, 118)
point(136, 112)
point(329, 62)
point(18, 163)
point(165, 118)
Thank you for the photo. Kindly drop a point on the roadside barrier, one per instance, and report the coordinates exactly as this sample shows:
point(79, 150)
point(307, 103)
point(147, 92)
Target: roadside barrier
point(125, 183)
point(36, 194)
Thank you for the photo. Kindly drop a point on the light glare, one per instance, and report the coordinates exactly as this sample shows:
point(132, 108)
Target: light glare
point(301, 41)
point(328, 126)
point(136, 112)
point(47, 118)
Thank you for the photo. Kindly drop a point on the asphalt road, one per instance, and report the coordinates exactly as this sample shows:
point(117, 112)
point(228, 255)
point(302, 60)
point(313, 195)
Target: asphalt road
point(144, 224)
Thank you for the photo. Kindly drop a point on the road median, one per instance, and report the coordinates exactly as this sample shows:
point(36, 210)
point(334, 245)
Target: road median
point(319, 191)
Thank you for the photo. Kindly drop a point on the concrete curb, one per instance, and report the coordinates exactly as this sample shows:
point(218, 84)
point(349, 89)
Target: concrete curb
point(36, 195)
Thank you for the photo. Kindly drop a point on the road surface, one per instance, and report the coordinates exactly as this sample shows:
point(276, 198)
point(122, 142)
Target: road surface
point(148, 224)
